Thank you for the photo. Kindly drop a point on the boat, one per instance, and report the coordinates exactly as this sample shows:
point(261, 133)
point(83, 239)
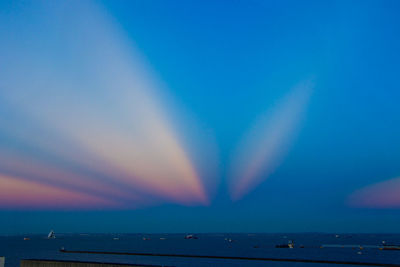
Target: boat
point(290, 244)
point(391, 247)
point(191, 237)
point(51, 235)
point(26, 238)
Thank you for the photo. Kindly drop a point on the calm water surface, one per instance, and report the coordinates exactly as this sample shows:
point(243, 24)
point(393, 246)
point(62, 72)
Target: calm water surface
point(15, 248)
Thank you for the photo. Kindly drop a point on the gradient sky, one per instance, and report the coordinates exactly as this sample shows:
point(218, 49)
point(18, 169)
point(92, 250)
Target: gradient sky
point(199, 116)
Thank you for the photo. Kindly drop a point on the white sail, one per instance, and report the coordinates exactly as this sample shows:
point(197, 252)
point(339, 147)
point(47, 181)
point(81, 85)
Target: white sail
point(51, 234)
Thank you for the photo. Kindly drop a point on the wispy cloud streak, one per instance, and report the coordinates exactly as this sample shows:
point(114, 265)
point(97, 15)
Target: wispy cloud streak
point(266, 143)
point(90, 109)
point(18, 193)
point(383, 195)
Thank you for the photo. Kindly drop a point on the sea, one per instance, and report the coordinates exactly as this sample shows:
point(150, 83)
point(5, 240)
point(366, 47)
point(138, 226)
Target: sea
point(362, 248)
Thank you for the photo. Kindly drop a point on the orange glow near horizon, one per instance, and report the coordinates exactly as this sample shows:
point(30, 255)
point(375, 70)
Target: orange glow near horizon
point(22, 166)
point(23, 194)
point(158, 164)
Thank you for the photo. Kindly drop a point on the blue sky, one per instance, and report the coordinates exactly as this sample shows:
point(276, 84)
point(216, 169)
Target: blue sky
point(199, 116)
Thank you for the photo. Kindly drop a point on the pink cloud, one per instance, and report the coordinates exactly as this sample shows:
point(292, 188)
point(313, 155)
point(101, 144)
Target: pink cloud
point(17, 193)
point(380, 195)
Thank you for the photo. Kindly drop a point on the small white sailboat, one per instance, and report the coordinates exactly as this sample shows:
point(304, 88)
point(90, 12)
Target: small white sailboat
point(51, 235)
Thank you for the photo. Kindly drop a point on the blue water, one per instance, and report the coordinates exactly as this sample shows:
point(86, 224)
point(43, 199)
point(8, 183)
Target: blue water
point(14, 248)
